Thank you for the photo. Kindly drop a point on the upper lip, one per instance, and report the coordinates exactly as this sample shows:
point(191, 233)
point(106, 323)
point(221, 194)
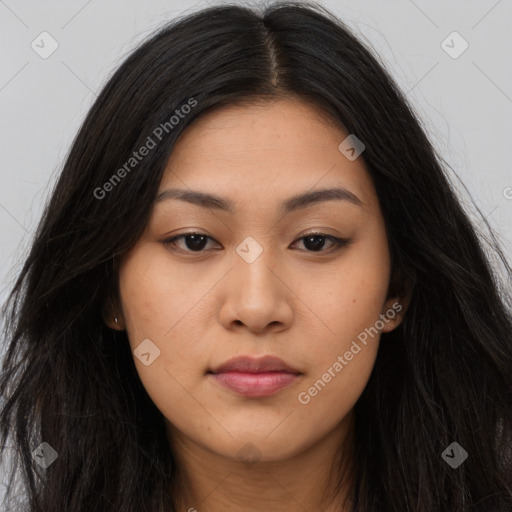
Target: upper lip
point(247, 364)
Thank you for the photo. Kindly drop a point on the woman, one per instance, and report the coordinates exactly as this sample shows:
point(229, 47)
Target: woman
point(182, 338)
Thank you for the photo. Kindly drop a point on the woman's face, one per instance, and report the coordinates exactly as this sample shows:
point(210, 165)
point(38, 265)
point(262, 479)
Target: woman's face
point(257, 285)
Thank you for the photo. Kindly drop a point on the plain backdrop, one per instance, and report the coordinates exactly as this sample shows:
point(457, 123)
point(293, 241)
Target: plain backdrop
point(463, 99)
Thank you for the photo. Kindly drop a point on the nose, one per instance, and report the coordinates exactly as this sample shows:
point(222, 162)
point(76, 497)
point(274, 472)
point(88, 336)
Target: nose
point(257, 294)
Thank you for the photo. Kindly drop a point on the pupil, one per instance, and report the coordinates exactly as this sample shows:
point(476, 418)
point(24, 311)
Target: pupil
point(197, 243)
point(315, 245)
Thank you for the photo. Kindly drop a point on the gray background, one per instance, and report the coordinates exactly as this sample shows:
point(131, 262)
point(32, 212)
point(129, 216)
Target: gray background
point(465, 103)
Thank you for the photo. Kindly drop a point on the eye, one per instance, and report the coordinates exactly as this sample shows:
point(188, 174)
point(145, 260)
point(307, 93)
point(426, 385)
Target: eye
point(196, 242)
point(316, 242)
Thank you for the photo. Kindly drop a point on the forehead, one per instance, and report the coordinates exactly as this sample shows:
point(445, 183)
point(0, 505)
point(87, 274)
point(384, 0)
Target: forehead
point(263, 125)
point(273, 150)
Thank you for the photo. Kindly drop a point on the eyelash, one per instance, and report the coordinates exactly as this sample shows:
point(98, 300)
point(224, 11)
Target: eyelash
point(338, 243)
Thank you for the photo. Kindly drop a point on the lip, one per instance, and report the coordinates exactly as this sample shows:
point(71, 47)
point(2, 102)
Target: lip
point(248, 364)
point(255, 377)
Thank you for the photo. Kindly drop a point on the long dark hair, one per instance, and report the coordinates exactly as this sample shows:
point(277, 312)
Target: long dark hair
point(444, 376)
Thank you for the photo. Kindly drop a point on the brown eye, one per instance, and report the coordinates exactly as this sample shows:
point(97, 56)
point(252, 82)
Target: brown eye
point(194, 242)
point(315, 242)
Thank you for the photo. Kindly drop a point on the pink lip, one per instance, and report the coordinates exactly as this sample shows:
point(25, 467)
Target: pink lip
point(255, 377)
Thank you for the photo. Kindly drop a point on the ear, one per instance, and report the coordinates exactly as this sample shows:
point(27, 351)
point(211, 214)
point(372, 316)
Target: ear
point(109, 312)
point(397, 303)
point(394, 311)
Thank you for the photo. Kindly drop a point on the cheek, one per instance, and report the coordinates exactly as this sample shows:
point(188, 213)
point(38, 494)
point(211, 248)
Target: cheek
point(153, 312)
point(347, 299)
point(342, 362)
point(158, 305)
point(346, 327)
point(154, 297)
point(332, 394)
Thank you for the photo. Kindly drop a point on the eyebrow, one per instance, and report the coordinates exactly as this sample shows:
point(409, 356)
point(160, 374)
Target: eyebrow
point(211, 201)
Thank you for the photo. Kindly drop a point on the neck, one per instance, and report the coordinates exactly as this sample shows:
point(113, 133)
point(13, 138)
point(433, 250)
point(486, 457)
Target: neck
point(308, 480)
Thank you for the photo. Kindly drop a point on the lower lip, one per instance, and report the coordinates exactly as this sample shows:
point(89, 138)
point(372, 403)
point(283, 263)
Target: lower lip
point(255, 384)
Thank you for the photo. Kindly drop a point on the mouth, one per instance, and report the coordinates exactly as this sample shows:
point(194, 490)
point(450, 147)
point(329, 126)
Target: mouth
point(255, 377)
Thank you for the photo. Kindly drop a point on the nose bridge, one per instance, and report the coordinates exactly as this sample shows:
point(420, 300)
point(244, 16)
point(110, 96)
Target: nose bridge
point(252, 262)
point(255, 294)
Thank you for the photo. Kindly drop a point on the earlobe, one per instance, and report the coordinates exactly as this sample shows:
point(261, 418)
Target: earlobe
point(392, 314)
point(396, 305)
point(115, 323)
point(112, 319)
point(394, 311)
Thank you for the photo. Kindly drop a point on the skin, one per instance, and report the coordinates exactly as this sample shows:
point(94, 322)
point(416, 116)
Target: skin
point(202, 308)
